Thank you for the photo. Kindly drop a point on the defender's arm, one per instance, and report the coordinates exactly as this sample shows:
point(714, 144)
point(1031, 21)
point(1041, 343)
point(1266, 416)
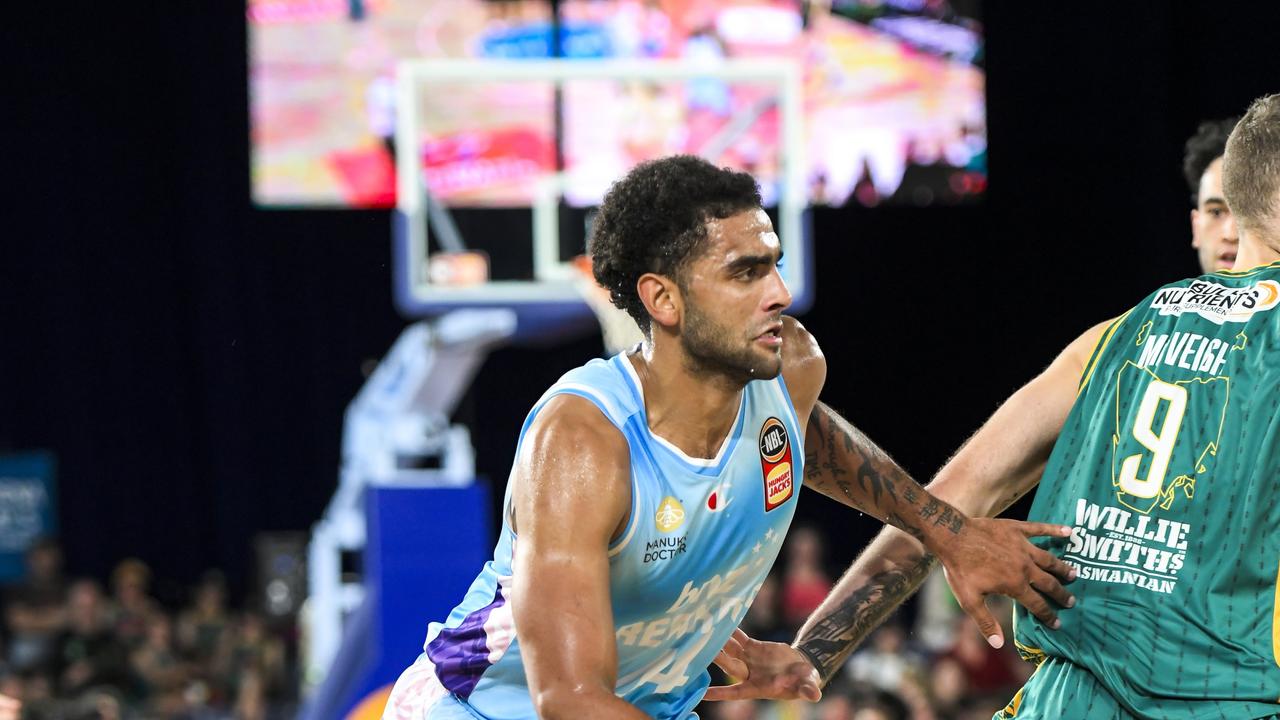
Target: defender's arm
point(572, 496)
point(998, 465)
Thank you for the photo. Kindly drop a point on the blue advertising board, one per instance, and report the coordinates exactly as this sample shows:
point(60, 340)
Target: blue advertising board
point(28, 508)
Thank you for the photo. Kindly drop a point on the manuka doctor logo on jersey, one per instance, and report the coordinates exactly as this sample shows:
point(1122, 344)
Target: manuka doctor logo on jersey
point(775, 463)
point(669, 518)
point(1219, 303)
point(664, 548)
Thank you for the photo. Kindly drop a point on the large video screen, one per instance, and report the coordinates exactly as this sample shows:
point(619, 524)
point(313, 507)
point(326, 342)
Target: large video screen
point(894, 97)
point(322, 99)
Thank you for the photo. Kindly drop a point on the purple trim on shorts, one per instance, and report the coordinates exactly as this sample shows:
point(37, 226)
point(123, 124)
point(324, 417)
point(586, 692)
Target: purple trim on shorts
point(461, 654)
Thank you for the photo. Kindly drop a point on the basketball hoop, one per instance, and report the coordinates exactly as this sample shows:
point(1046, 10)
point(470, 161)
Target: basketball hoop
point(619, 329)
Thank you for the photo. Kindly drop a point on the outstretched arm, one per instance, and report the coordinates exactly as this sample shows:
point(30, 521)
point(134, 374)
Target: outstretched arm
point(982, 557)
point(999, 464)
point(845, 465)
point(572, 494)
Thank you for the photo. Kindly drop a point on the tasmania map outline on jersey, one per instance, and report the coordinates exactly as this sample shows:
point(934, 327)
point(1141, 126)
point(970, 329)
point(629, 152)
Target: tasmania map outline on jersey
point(1178, 349)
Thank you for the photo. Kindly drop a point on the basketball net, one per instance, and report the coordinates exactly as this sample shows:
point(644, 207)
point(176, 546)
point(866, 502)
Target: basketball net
point(619, 329)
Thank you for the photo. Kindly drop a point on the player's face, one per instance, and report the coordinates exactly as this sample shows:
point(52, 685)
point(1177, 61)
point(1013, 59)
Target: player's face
point(735, 298)
point(1213, 229)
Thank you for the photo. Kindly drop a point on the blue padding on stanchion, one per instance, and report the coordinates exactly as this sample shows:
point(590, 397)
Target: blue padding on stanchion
point(425, 546)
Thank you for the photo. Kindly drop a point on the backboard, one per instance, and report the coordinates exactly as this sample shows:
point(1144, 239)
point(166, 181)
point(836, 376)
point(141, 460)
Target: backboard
point(438, 270)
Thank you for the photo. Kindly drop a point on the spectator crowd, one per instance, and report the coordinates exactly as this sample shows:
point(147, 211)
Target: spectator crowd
point(72, 650)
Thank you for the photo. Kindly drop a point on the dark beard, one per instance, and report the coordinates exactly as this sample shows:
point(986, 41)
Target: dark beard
point(711, 350)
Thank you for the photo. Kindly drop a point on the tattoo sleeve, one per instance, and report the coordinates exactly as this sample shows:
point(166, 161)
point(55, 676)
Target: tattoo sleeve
point(845, 465)
point(846, 618)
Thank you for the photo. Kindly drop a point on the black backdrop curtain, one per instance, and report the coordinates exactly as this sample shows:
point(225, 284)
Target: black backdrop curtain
point(188, 357)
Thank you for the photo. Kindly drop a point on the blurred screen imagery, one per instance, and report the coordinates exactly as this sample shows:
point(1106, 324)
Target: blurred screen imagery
point(893, 98)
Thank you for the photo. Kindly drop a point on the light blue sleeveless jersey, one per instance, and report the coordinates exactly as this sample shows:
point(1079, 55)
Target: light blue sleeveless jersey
point(702, 536)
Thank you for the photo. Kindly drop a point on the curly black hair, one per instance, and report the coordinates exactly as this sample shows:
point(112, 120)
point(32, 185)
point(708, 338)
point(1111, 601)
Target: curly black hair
point(654, 220)
point(1207, 145)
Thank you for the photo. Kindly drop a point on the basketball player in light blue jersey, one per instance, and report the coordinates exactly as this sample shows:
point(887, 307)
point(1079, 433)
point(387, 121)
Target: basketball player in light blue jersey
point(651, 491)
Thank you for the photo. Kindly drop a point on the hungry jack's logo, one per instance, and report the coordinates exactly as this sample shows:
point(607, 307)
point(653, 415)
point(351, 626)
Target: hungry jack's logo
point(775, 463)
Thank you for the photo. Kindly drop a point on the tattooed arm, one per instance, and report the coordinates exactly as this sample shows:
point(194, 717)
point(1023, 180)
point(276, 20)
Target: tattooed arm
point(846, 466)
point(887, 573)
point(982, 557)
point(1002, 461)
point(999, 464)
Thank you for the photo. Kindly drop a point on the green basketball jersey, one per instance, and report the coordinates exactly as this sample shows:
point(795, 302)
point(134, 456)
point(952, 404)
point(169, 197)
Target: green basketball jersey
point(1168, 471)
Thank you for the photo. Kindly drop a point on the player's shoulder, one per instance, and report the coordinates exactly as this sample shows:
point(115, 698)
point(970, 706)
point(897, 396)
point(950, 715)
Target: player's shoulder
point(798, 344)
point(597, 372)
point(1265, 274)
point(576, 427)
point(609, 384)
point(1266, 271)
point(804, 367)
point(574, 464)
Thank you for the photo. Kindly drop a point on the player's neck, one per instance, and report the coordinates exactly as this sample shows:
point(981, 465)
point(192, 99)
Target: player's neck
point(1256, 250)
point(692, 411)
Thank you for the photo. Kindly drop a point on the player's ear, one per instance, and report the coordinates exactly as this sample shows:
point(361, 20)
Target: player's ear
point(1195, 215)
point(661, 297)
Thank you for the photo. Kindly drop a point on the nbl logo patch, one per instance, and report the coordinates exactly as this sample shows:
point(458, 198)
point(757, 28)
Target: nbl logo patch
point(775, 463)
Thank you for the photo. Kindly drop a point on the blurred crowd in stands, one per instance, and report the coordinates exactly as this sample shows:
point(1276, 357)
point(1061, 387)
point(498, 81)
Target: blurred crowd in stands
point(938, 667)
point(73, 650)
